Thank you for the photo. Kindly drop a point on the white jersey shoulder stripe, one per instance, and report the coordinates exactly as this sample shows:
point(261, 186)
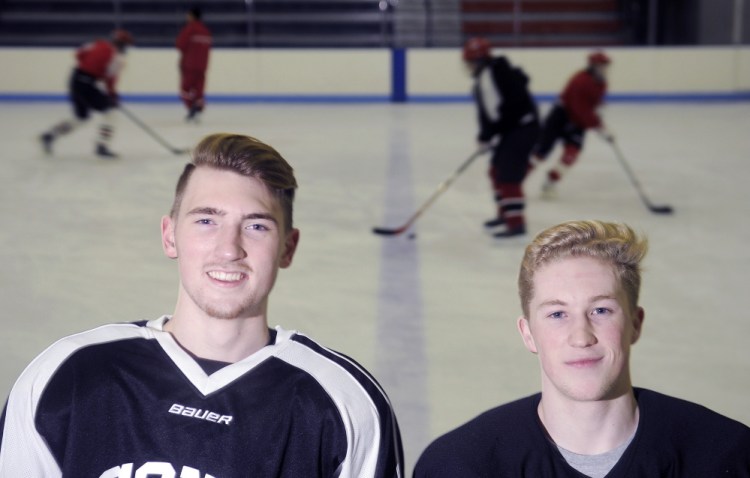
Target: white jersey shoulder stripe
point(369, 381)
point(490, 95)
point(356, 407)
point(24, 453)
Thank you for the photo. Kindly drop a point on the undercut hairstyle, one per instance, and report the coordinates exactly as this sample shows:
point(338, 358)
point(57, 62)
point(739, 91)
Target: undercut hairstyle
point(612, 243)
point(248, 157)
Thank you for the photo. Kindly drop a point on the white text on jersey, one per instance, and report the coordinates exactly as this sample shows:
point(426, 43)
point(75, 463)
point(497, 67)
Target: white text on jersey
point(152, 469)
point(178, 409)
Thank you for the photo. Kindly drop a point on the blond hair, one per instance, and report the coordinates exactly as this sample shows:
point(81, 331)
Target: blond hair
point(613, 243)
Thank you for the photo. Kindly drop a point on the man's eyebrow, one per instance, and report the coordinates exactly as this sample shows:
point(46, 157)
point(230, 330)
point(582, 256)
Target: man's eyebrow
point(551, 302)
point(260, 215)
point(593, 299)
point(207, 210)
point(212, 211)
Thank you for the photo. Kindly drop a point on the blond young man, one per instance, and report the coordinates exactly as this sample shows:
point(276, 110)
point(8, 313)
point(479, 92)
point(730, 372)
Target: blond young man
point(210, 391)
point(579, 285)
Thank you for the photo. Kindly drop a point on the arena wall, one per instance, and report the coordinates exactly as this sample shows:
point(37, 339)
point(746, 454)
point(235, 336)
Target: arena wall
point(637, 74)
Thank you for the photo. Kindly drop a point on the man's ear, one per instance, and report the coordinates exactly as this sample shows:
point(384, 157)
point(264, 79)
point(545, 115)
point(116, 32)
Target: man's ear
point(290, 247)
point(525, 330)
point(638, 318)
point(167, 237)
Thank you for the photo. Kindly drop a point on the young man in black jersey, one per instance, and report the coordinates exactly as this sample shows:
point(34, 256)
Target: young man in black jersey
point(209, 391)
point(579, 285)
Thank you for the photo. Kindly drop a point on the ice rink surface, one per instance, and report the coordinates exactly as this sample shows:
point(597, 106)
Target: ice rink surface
point(433, 318)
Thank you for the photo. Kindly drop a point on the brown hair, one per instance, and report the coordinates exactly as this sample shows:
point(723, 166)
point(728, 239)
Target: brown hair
point(243, 155)
point(614, 243)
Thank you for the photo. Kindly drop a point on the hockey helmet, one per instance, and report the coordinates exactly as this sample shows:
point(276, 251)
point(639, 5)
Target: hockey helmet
point(599, 58)
point(122, 37)
point(476, 49)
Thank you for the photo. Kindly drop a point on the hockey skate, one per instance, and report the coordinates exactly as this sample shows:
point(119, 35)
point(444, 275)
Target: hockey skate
point(47, 139)
point(493, 223)
point(104, 152)
point(510, 232)
point(193, 115)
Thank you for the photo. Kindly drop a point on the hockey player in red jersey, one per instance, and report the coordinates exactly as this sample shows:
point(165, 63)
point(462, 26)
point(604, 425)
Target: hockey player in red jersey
point(508, 116)
point(573, 114)
point(194, 44)
point(93, 87)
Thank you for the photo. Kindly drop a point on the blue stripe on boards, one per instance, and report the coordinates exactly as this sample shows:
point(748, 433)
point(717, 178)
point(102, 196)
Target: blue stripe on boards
point(215, 98)
point(396, 96)
point(401, 358)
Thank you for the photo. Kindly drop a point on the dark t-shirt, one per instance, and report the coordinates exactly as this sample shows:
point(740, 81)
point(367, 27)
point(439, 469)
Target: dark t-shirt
point(675, 438)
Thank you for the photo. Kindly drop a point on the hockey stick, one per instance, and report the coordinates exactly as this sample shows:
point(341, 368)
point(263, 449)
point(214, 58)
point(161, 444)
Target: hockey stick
point(384, 231)
point(152, 133)
point(664, 209)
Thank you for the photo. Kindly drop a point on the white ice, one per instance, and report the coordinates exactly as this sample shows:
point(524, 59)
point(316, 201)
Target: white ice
point(433, 318)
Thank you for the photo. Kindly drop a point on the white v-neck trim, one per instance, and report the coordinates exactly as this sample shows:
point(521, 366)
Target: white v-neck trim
point(208, 384)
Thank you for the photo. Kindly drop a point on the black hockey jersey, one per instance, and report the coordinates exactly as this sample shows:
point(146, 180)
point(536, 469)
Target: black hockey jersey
point(503, 99)
point(675, 439)
point(126, 401)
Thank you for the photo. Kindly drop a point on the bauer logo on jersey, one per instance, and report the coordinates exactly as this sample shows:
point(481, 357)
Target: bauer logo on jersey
point(199, 413)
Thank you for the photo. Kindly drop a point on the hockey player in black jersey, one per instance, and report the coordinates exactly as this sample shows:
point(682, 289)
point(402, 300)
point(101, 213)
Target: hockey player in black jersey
point(509, 124)
point(579, 286)
point(209, 391)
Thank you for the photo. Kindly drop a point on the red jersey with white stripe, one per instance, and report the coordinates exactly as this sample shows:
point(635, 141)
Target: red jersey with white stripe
point(582, 96)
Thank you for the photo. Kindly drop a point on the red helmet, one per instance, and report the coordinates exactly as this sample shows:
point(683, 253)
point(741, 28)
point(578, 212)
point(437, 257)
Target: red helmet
point(476, 48)
point(599, 58)
point(122, 37)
